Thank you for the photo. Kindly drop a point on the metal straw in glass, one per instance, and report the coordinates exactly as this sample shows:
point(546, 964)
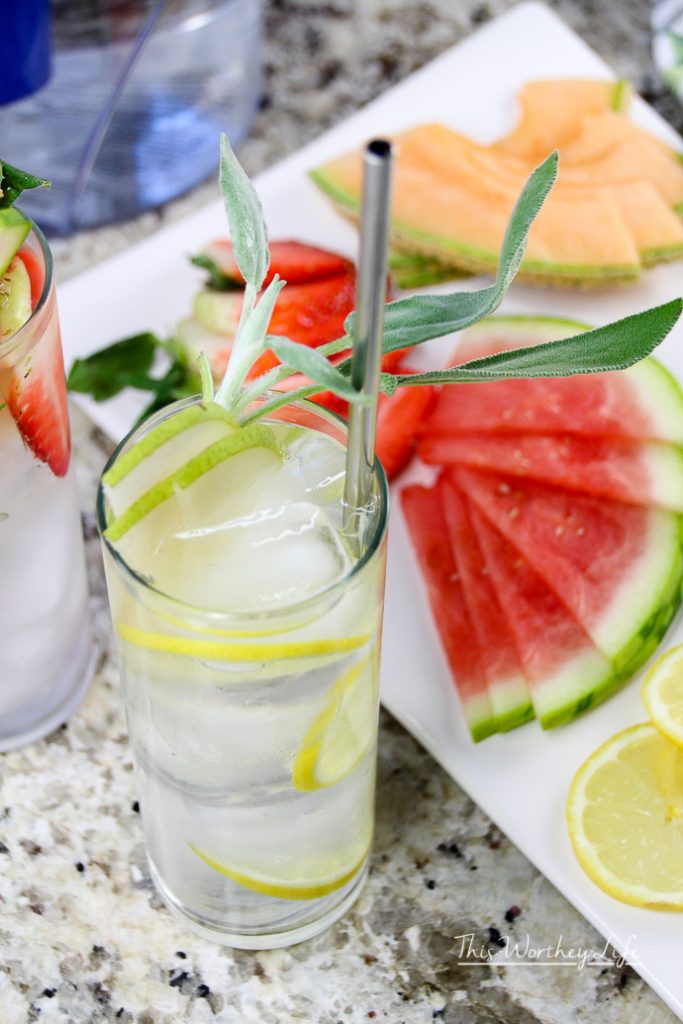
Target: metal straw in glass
point(367, 342)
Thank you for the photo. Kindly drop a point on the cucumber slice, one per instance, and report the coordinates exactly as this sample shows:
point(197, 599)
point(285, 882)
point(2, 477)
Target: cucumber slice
point(14, 228)
point(15, 299)
point(218, 312)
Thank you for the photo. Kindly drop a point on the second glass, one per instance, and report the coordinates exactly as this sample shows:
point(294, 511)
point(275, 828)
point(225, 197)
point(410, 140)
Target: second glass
point(248, 631)
point(45, 640)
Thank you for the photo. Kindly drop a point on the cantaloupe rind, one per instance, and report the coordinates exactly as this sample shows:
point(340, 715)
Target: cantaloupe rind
point(477, 261)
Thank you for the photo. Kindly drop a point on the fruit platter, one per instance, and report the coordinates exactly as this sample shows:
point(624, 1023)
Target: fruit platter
point(536, 489)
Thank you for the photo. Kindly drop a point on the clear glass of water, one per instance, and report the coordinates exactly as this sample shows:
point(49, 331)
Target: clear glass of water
point(45, 642)
point(248, 630)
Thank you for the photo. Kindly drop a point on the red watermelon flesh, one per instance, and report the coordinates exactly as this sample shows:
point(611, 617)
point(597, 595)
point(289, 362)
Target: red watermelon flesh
point(643, 402)
point(639, 473)
point(426, 522)
point(616, 567)
point(601, 405)
point(566, 672)
point(507, 684)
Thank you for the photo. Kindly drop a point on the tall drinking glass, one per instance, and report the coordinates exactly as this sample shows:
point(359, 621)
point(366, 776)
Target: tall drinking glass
point(45, 644)
point(248, 631)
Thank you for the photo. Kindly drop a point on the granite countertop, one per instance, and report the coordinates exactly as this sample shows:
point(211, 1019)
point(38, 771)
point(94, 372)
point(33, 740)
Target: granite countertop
point(84, 939)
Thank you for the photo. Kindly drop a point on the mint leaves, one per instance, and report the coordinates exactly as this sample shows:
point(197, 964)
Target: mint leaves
point(128, 364)
point(13, 182)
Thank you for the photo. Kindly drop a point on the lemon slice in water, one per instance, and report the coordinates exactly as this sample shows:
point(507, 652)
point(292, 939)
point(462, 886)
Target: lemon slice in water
point(662, 694)
point(625, 814)
point(211, 650)
point(298, 879)
point(342, 732)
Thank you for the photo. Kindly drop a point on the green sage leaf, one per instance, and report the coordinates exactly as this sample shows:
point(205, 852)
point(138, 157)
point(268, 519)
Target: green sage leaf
point(419, 318)
point(245, 216)
point(314, 365)
point(612, 347)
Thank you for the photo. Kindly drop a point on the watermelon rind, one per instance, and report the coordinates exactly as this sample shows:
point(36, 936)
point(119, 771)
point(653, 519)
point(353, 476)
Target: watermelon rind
point(583, 681)
point(644, 604)
point(660, 393)
point(480, 722)
point(510, 702)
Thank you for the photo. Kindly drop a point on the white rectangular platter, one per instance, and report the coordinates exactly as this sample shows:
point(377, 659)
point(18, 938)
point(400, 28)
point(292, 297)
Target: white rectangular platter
point(520, 779)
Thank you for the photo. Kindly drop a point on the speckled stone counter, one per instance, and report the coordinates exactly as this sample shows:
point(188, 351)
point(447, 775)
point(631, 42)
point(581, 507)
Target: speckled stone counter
point(83, 937)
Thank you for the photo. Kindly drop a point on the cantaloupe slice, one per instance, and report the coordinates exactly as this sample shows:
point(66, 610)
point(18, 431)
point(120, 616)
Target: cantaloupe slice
point(633, 159)
point(599, 133)
point(656, 229)
point(448, 202)
point(551, 112)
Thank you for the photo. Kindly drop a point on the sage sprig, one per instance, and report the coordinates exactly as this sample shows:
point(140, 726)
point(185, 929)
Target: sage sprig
point(407, 322)
point(413, 320)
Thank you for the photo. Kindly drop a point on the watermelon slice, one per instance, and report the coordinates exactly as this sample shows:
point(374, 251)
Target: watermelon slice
point(567, 673)
point(616, 567)
point(636, 472)
point(644, 403)
point(507, 685)
point(426, 521)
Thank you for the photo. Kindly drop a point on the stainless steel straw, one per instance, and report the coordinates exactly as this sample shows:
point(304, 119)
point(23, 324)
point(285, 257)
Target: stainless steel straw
point(367, 342)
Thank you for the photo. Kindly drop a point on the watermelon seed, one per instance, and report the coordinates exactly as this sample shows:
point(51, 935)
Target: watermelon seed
point(503, 488)
point(580, 532)
point(513, 512)
point(559, 531)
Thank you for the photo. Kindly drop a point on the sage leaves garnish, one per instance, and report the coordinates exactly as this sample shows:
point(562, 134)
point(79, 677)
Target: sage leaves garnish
point(245, 216)
point(615, 346)
point(407, 322)
point(423, 317)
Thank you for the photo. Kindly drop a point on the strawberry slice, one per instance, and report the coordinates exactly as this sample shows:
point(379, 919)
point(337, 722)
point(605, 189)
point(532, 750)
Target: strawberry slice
point(311, 314)
point(36, 273)
point(35, 393)
point(400, 419)
point(295, 262)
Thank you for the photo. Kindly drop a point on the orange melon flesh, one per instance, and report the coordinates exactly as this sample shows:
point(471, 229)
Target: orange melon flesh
point(633, 159)
point(655, 227)
point(446, 205)
point(552, 111)
point(598, 133)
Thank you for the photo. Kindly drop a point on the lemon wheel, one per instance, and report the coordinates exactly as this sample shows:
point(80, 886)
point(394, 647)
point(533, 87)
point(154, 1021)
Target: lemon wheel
point(625, 815)
point(342, 732)
point(662, 694)
point(301, 879)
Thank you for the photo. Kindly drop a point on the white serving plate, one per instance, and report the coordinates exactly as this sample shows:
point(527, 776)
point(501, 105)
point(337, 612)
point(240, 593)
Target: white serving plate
point(520, 779)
